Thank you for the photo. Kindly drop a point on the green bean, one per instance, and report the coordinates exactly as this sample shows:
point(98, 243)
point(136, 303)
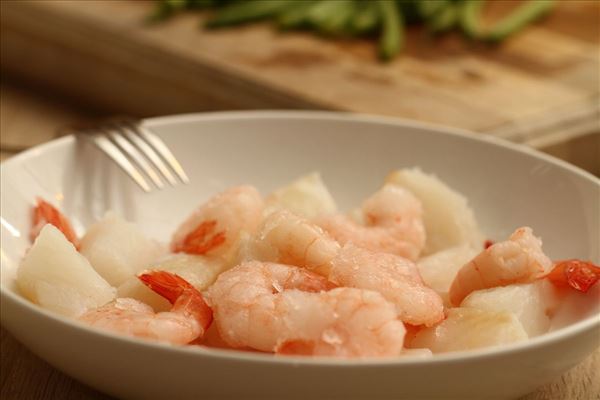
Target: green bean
point(165, 9)
point(337, 22)
point(468, 18)
point(365, 19)
point(361, 17)
point(177, 4)
point(445, 19)
point(248, 11)
point(392, 30)
point(428, 8)
point(524, 14)
point(295, 17)
point(201, 3)
point(322, 11)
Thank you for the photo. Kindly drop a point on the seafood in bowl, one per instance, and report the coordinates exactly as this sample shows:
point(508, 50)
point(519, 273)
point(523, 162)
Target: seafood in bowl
point(407, 271)
point(517, 187)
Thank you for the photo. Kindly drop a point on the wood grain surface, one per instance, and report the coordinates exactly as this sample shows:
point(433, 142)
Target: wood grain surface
point(29, 118)
point(540, 87)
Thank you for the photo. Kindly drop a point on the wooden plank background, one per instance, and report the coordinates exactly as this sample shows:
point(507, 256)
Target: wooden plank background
point(540, 87)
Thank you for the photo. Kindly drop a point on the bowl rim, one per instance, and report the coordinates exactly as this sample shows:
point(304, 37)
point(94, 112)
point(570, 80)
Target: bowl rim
point(547, 339)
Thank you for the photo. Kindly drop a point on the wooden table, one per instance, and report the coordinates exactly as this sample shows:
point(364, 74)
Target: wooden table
point(28, 119)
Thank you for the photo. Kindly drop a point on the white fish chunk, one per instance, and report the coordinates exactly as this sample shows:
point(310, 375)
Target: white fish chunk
point(118, 250)
point(307, 197)
point(448, 219)
point(470, 328)
point(55, 276)
point(532, 303)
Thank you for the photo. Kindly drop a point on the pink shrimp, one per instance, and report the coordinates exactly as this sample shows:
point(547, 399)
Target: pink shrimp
point(45, 213)
point(289, 310)
point(187, 321)
point(287, 238)
point(215, 228)
point(517, 260)
point(396, 278)
point(394, 224)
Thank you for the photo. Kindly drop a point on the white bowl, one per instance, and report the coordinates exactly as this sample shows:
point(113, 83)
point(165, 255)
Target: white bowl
point(508, 186)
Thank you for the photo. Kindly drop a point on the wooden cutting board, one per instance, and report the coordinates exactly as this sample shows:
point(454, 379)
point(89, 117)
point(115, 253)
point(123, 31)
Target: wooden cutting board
point(540, 87)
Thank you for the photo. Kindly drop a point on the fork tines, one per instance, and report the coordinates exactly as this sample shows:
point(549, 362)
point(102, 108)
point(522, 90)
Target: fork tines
point(139, 152)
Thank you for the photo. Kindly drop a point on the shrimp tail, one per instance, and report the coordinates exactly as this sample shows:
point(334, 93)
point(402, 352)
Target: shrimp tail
point(179, 292)
point(577, 274)
point(45, 213)
point(168, 285)
point(200, 241)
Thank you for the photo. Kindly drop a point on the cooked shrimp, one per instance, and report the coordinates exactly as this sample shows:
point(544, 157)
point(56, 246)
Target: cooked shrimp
point(517, 260)
point(215, 228)
point(396, 278)
point(577, 274)
point(289, 239)
point(188, 320)
point(285, 309)
point(45, 213)
point(394, 224)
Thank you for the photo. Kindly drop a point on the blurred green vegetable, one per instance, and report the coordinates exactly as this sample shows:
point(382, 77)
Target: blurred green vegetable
point(392, 31)
point(248, 11)
point(428, 8)
point(331, 16)
point(444, 18)
point(166, 8)
point(522, 16)
point(387, 18)
point(297, 16)
point(366, 18)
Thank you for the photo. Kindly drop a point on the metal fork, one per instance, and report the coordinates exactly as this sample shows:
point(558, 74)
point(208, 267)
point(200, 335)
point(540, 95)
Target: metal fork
point(138, 151)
